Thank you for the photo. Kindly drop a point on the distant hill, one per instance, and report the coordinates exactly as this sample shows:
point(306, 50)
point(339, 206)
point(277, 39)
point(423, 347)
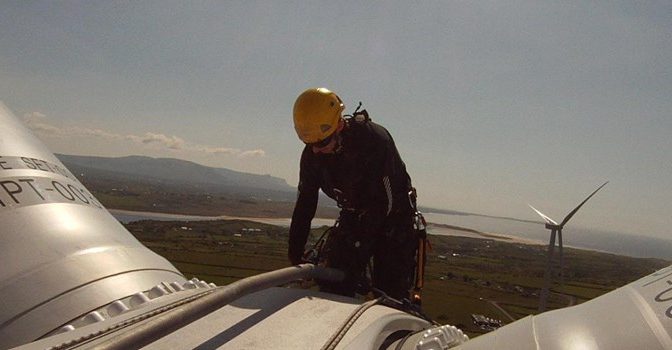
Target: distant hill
point(170, 171)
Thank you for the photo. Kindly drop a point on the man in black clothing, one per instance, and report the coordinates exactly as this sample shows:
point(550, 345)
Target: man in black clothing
point(355, 162)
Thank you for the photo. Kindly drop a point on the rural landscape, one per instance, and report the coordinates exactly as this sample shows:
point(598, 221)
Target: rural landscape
point(466, 277)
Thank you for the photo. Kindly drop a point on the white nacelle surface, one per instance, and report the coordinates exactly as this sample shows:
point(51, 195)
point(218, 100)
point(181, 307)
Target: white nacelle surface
point(276, 318)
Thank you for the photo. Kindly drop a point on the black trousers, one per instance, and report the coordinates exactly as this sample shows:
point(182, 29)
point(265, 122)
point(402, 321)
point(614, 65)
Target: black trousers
point(350, 247)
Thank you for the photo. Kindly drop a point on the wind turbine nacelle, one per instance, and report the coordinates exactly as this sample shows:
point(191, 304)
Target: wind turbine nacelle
point(635, 316)
point(553, 227)
point(62, 254)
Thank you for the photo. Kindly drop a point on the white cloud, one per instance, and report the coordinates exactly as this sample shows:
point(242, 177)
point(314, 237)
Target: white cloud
point(33, 116)
point(46, 129)
point(36, 122)
point(218, 150)
point(252, 153)
point(172, 142)
point(79, 131)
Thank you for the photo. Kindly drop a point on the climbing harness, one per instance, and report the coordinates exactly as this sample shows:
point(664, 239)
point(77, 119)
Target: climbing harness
point(314, 254)
point(420, 228)
point(357, 115)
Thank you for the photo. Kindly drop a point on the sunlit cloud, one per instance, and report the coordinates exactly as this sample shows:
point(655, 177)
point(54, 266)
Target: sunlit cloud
point(219, 150)
point(172, 142)
point(33, 116)
point(79, 131)
point(35, 121)
point(45, 129)
point(38, 122)
point(252, 153)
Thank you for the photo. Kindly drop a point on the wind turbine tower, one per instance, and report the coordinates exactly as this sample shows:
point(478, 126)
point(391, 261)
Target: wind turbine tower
point(556, 229)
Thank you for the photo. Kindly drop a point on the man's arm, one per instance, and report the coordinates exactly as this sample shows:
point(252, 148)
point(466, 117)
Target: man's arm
point(389, 182)
point(396, 179)
point(304, 211)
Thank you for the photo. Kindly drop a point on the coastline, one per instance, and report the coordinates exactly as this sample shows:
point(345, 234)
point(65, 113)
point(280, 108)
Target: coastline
point(450, 230)
point(432, 228)
point(317, 222)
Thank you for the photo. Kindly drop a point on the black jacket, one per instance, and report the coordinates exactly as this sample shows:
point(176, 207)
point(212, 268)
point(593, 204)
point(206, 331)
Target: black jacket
point(365, 176)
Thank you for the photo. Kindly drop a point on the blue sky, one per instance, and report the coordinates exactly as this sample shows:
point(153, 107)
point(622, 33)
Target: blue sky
point(492, 104)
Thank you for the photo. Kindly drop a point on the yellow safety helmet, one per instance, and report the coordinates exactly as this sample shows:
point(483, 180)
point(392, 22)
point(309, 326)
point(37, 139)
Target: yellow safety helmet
point(316, 114)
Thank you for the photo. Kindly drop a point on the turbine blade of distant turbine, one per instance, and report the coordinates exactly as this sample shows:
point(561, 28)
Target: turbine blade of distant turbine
point(546, 218)
point(569, 216)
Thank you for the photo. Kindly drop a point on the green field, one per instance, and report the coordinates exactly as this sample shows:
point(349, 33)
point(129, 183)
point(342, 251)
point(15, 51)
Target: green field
point(186, 199)
point(463, 276)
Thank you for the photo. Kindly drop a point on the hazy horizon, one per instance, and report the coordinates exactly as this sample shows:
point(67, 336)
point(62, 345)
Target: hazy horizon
point(506, 229)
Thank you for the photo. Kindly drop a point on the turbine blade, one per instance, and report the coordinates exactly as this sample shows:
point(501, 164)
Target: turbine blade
point(546, 218)
point(569, 216)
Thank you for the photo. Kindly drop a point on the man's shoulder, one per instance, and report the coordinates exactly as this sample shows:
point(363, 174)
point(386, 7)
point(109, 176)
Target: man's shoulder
point(369, 130)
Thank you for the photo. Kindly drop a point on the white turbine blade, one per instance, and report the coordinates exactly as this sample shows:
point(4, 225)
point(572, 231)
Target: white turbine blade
point(548, 220)
point(569, 216)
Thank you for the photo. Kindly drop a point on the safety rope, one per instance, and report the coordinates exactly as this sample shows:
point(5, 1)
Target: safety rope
point(349, 322)
point(156, 328)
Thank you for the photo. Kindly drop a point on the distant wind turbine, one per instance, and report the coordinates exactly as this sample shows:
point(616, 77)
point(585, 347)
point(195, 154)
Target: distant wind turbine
point(556, 228)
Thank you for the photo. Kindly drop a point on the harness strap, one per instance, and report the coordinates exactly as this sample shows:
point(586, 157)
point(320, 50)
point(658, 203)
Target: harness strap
point(420, 228)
